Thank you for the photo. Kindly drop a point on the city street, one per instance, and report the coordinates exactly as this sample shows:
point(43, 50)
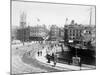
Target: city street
point(43, 42)
point(33, 62)
point(22, 62)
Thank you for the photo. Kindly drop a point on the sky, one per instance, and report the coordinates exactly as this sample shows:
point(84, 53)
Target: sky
point(49, 14)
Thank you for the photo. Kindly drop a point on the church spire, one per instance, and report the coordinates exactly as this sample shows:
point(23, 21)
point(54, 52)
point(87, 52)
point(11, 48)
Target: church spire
point(90, 15)
point(23, 20)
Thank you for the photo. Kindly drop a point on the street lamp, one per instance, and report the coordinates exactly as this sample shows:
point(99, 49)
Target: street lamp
point(79, 59)
point(76, 50)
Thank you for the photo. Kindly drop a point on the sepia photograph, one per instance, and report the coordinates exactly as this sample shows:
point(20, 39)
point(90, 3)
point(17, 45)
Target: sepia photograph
point(52, 37)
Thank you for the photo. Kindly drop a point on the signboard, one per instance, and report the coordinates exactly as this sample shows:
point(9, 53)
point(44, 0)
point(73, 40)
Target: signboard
point(70, 41)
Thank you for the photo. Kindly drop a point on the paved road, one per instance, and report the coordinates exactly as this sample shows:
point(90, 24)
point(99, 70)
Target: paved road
point(17, 65)
point(23, 63)
point(35, 63)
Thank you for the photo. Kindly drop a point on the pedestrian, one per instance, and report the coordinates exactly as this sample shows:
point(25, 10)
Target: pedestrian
point(48, 58)
point(80, 63)
point(48, 55)
point(41, 52)
point(54, 55)
point(38, 53)
point(55, 59)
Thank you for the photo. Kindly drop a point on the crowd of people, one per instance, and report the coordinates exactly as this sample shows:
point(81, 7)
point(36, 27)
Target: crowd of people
point(51, 50)
point(51, 53)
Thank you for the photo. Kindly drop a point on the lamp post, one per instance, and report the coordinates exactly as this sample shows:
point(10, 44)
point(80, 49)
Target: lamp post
point(76, 50)
point(79, 59)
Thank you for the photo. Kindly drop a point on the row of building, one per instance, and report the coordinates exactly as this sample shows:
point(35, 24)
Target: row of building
point(83, 35)
point(40, 32)
point(77, 34)
point(70, 33)
point(32, 33)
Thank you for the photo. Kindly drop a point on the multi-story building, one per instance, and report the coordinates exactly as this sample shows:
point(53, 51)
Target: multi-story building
point(89, 35)
point(61, 34)
point(14, 32)
point(93, 41)
point(38, 32)
point(54, 32)
point(23, 34)
point(23, 31)
point(72, 33)
point(80, 34)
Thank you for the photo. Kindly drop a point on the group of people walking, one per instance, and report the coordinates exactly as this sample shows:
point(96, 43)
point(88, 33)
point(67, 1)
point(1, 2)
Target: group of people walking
point(40, 51)
point(51, 54)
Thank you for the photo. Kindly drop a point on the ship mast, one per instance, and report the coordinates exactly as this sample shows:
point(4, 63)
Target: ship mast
point(66, 21)
point(90, 15)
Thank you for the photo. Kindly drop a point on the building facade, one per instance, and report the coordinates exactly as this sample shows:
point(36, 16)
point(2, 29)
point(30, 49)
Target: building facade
point(14, 32)
point(38, 32)
point(61, 33)
point(73, 33)
point(54, 32)
point(83, 35)
point(89, 35)
point(23, 34)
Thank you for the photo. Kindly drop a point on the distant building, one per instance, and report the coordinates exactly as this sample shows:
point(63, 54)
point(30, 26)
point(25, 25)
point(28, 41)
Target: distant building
point(72, 33)
point(38, 32)
point(23, 31)
point(23, 34)
point(54, 32)
point(89, 35)
point(23, 20)
point(93, 34)
point(80, 34)
point(61, 33)
point(14, 32)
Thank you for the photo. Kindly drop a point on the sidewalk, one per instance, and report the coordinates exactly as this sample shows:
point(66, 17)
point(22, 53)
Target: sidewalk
point(59, 66)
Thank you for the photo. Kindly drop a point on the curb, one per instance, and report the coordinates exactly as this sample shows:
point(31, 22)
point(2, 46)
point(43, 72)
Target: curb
point(51, 64)
point(58, 67)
